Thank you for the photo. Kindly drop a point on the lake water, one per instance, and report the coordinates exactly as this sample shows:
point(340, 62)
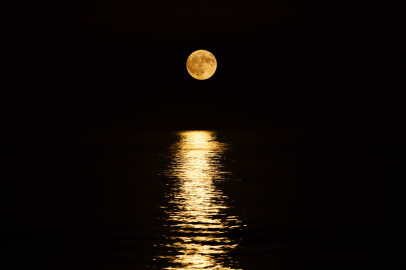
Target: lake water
point(200, 200)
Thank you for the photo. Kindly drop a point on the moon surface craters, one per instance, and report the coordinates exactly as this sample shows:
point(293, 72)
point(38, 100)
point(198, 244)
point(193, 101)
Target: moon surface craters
point(201, 64)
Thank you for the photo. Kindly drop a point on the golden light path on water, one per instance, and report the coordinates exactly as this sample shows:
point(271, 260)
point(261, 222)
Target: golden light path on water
point(199, 226)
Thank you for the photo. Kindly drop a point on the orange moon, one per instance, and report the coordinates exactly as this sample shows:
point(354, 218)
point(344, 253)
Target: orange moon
point(201, 64)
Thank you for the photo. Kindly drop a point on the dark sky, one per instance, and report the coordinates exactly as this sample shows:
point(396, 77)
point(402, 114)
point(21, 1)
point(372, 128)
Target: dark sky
point(90, 66)
point(122, 65)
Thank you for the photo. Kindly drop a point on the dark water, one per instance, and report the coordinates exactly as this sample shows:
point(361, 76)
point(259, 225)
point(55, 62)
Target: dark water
point(203, 200)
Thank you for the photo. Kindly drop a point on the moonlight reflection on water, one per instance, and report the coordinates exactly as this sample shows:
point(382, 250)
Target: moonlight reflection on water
point(198, 225)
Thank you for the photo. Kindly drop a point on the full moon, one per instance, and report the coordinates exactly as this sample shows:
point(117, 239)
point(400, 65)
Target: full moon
point(201, 64)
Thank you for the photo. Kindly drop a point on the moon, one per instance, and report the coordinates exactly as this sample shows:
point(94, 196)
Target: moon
point(201, 64)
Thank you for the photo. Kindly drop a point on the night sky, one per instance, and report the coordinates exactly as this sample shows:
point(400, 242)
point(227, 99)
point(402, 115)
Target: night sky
point(122, 65)
point(302, 67)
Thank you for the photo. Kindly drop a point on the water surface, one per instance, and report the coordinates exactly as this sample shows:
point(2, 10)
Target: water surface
point(199, 226)
point(202, 200)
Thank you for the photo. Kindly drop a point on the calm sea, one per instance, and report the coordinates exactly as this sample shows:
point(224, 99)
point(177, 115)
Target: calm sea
point(201, 200)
